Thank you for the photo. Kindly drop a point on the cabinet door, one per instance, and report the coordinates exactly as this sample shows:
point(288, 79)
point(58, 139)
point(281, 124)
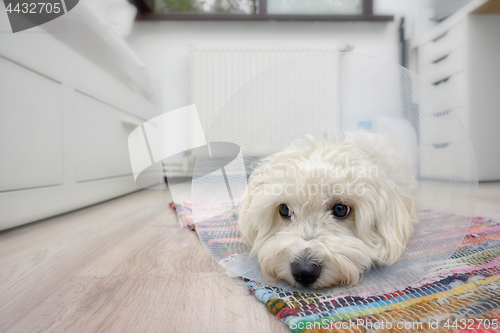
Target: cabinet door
point(30, 129)
point(101, 139)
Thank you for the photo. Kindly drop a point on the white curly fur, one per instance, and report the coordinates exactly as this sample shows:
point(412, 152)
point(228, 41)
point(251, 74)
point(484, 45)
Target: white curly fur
point(367, 172)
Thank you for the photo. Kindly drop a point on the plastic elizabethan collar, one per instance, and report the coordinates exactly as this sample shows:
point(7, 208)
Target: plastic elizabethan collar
point(338, 92)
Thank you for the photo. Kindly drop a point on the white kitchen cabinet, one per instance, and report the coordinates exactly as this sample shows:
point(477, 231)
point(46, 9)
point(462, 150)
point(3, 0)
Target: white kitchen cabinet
point(65, 118)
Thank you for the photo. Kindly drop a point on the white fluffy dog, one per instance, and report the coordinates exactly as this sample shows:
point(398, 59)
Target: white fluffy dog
point(321, 214)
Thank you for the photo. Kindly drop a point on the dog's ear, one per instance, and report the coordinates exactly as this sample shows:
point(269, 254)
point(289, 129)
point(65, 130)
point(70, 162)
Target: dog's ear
point(395, 227)
point(393, 217)
point(255, 215)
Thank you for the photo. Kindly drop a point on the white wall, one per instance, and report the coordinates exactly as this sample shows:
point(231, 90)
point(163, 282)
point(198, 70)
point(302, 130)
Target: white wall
point(164, 45)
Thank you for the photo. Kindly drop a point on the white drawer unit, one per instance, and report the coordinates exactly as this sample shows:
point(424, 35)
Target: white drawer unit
point(459, 58)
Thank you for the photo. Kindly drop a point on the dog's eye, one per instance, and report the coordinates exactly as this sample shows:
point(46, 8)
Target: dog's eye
point(284, 211)
point(341, 211)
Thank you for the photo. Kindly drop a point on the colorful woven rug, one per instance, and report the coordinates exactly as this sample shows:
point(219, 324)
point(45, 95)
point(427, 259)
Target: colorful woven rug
point(462, 296)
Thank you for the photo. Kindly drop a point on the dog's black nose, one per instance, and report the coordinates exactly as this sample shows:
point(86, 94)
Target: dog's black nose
point(305, 272)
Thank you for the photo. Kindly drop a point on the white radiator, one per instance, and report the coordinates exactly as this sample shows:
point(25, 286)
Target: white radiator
point(218, 71)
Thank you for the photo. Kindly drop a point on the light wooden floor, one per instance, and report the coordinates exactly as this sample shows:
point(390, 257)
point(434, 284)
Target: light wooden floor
point(126, 266)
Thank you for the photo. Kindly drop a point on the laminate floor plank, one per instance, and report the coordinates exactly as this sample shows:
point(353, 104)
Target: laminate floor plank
point(121, 266)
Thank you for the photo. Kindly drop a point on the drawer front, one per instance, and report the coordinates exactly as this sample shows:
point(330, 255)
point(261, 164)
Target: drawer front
point(443, 44)
point(442, 128)
point(446, 160)
point(101, 139)
point(431, 101)
point(449, 94)
point(463, 114)
point(31, 140)
point(454, 90)
point(452, 63)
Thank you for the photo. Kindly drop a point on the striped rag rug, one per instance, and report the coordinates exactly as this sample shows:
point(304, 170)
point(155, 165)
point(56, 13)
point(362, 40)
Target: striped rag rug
point(461, 296)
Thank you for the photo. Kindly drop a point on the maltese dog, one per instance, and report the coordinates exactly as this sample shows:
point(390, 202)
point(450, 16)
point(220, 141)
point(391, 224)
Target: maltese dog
point(320, 214)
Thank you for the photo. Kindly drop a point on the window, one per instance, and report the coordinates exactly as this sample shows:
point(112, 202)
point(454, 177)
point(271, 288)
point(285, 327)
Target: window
point(302, 10)
point(315, 7)
point(205, 6)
